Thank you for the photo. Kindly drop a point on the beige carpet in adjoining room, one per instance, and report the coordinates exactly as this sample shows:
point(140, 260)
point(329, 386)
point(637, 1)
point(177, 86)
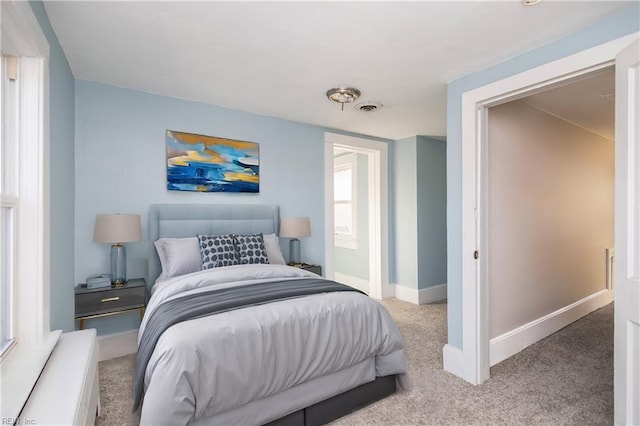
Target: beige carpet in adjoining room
point(565, 379)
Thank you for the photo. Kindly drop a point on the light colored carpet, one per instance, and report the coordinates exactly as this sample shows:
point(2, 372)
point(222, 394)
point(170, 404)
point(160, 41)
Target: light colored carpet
point(565, 379)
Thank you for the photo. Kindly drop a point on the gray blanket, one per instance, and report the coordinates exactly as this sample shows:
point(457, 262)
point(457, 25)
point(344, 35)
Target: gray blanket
point(215, 301)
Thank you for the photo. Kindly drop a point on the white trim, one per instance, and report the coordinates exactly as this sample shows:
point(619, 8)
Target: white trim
point(435, 293)
point(345, 242)
point(329, 224)
point(8, 201)
point(33, 211)
point(474, 103)
point(378, 209)
point(421, 296)
point(512, 342)
point(34, 343)
point(117, 344)
point(626, 341)
point(21, 32)
point(452, 360)
point(350, 280)
point(406, 294)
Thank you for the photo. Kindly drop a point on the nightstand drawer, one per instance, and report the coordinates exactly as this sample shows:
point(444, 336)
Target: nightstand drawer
point(114, 299)
point(316, 269)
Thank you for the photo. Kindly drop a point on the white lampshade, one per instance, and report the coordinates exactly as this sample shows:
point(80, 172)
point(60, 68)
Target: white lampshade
point(295, 227)
point(117, 228)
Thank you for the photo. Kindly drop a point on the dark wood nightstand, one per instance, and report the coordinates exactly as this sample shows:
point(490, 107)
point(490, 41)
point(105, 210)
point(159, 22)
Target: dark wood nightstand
point(316, 269)
point(101, 302)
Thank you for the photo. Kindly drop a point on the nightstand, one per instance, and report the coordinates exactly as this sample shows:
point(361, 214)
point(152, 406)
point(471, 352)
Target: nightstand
point(316, 269)
point(101, 302)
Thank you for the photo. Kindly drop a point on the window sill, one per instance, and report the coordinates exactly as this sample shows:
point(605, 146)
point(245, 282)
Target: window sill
point(20, 370)
point(346, 243)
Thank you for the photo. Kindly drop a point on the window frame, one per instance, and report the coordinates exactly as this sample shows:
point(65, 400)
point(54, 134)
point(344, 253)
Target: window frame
point(22, 363)
point(8, 200)
point(342, 162)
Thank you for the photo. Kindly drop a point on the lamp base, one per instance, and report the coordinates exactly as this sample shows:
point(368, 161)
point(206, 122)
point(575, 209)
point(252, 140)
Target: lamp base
point(294, 251)
point(118, 265)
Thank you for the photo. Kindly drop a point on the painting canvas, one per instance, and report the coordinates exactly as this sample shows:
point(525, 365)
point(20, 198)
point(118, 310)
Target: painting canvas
point(210, 164)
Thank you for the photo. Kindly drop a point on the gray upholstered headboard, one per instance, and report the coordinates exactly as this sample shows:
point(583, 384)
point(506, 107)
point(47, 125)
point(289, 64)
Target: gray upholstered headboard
point(188, 220)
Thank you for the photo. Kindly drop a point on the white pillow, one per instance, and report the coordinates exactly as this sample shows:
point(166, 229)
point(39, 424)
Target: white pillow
point(272, 246)
point(178, 256)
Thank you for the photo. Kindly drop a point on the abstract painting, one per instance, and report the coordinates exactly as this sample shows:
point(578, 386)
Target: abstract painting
point(210, 164)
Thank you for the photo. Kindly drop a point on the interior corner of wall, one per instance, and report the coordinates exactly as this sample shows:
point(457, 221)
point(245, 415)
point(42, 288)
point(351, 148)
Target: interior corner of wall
point(431, 293)
point(406, 294)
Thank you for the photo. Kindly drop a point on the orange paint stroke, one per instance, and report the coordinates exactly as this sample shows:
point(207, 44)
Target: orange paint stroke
point(193, 139)
point(243, 177)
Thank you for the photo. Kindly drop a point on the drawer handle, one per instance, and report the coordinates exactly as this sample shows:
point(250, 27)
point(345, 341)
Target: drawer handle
point(110, 299)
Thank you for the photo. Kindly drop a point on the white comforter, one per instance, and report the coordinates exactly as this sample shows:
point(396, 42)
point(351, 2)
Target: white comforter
point(207, 366)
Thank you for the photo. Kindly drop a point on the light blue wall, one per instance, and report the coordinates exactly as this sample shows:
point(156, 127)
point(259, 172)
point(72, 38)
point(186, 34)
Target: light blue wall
point(61, 177)
point(119, 155)
point(404, 227)
point(419, 187)
point(120, 166)
point(610, 28)
point(355, 262)
point(432, 211)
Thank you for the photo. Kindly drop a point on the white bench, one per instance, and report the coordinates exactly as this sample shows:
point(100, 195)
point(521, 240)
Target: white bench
point(67, 392)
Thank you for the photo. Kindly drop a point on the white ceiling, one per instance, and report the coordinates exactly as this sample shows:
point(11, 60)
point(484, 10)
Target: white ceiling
point(279, 58)
point(588, 102)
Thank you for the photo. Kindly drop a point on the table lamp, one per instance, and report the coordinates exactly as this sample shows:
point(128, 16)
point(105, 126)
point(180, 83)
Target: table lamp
point(294, 227)
point(117, 229)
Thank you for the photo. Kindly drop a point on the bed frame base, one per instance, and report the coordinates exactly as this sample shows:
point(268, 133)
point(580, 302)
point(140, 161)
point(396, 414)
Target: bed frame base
point(340, 405)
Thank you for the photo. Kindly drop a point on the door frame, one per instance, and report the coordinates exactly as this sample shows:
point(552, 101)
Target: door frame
point(626, 342)
point(472, 362)
point(377, 155)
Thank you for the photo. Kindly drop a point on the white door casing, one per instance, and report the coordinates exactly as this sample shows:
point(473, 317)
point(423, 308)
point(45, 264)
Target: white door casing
point(471, 362)
point(378, 217)
point(627, 238)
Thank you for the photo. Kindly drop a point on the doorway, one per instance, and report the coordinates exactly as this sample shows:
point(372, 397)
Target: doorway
point(364, 162)
point(548, 228)
point(471, 359)
point(352, 197)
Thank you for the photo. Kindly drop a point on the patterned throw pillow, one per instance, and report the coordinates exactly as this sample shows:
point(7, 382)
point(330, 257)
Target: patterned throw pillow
point(251, 249)
point(217, 250)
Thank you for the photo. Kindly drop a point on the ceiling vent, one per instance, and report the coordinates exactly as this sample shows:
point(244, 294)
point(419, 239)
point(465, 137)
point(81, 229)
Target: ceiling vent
point(368, 106)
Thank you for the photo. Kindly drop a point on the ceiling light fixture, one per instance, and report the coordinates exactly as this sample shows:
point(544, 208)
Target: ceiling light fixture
point(343, 95)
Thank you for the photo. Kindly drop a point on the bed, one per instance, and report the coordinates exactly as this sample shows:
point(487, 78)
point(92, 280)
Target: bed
point(317, 351)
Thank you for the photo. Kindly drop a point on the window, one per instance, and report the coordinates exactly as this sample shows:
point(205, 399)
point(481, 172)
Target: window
point(25, 337)
point(345, 189)
point(8, 199)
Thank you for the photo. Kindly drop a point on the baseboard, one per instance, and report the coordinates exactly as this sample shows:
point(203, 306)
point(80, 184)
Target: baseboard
point(352, 281)
point(406, 293)
point(117, 344)
point(432, 294)
point(452, 360)
point(512, 342)
point(421, 296)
